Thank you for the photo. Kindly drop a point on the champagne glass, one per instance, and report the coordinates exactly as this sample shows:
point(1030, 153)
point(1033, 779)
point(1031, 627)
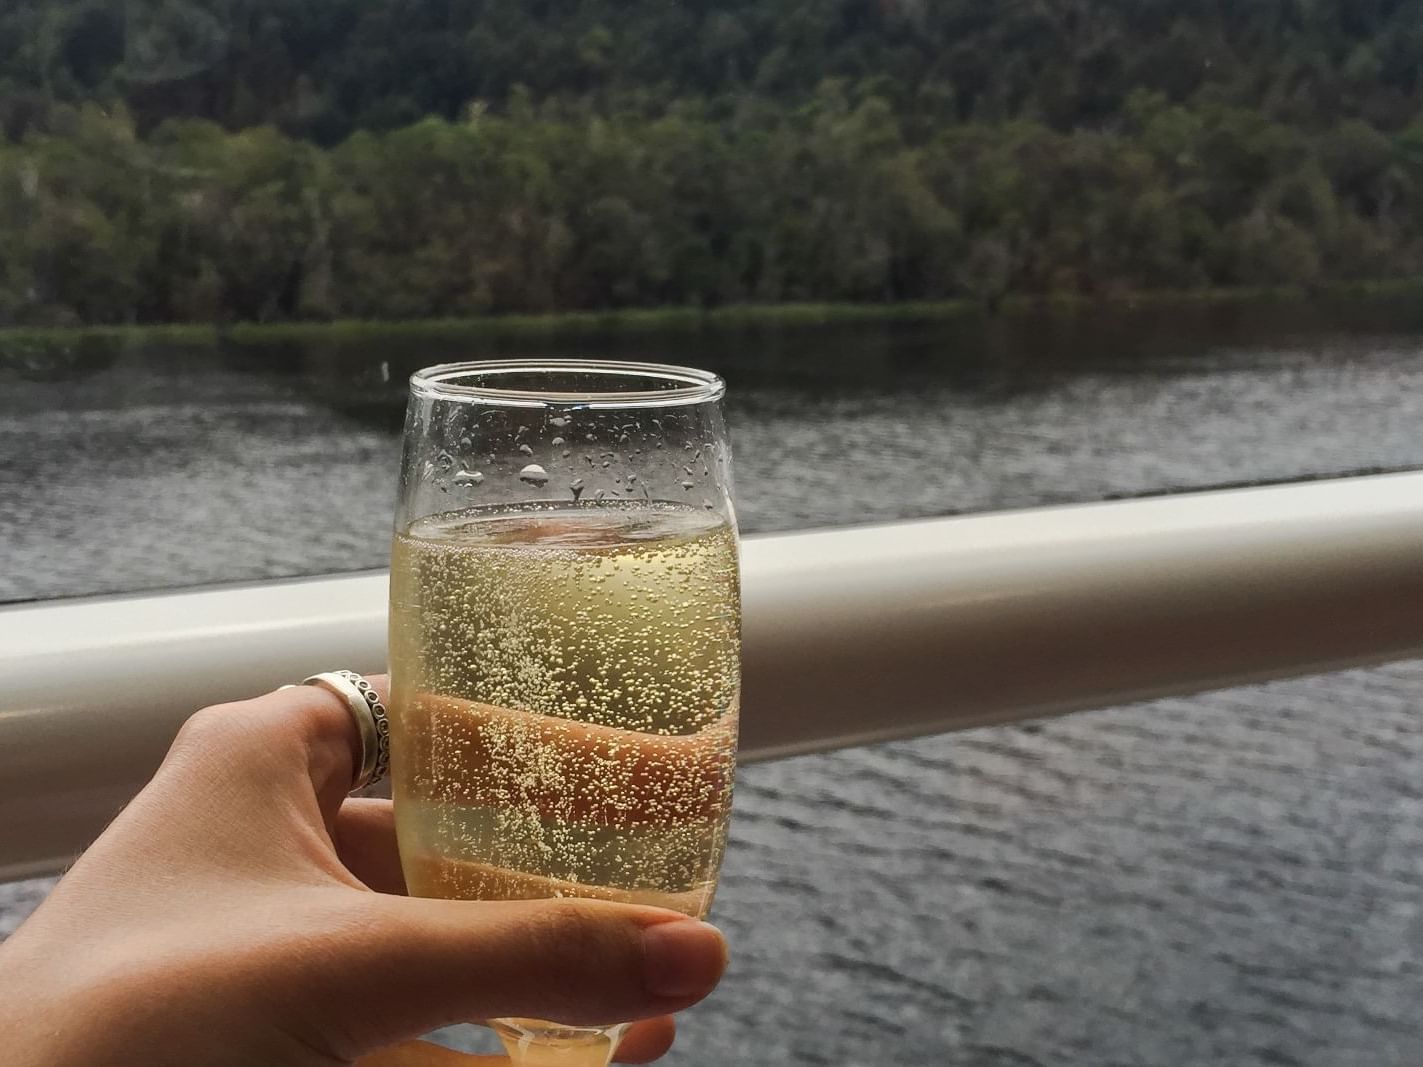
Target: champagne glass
point(564, 644)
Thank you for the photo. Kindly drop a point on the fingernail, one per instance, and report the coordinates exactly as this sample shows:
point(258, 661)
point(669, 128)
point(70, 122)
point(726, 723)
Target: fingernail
point(682, 959)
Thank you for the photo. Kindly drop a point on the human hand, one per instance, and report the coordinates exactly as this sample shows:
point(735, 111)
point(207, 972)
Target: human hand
point(242, 911)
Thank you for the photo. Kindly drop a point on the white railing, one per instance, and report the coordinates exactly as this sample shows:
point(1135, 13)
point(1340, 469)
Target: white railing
point(851, 635)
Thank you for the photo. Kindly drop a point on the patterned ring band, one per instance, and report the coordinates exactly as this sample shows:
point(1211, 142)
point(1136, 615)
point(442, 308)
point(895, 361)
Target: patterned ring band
point(366, 708)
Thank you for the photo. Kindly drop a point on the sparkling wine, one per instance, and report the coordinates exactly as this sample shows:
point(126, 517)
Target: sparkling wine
point(566, 685)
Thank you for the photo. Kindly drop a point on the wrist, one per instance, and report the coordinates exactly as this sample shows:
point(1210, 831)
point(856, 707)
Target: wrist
point(50, 1016)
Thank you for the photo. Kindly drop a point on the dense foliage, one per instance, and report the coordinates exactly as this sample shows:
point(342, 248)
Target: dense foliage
point(261, 159)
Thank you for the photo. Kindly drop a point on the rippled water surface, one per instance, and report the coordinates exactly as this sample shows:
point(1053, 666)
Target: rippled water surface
point(1234, 878)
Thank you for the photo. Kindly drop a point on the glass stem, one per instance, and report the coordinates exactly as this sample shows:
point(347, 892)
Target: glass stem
point(531, 1044)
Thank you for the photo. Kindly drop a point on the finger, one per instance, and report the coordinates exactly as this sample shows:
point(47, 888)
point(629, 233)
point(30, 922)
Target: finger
point(648, 1040)
point(461, 879)
point(312, 722)
point(288, 756)
point(365, 842)
point(442, 962)
point(685, 777)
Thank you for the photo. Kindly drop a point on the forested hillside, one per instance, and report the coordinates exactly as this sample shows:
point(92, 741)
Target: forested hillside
point(183, 160)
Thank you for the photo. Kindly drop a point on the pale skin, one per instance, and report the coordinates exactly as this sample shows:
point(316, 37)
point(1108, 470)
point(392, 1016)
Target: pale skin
point(241, 911)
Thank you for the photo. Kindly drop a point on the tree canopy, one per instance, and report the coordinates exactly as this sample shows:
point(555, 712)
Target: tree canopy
point(260, 159)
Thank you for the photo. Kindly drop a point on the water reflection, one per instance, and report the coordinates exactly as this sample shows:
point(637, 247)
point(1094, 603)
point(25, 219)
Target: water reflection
point(172, 448)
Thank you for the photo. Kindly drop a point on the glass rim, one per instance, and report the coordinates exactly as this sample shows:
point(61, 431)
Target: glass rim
point(687, 385)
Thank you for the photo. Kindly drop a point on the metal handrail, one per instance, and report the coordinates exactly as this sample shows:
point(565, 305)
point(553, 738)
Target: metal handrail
point(852, 635)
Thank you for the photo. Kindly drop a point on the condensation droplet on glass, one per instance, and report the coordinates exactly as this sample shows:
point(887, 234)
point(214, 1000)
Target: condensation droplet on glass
point(606, 464)
point(708, 505)
point(444, 463)
point(632, 478)
point(556, 441)
point(576, 487)
point(558, 420)
point(623, 439)
point(687, 484)
point(469, 478)
point(565, 454)
point(525, 450)
point(600, 494)
point(533, 474)
point(589, 437)
point(689, 471)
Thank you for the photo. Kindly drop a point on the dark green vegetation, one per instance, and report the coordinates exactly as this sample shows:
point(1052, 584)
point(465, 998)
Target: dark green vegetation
point(228, 160)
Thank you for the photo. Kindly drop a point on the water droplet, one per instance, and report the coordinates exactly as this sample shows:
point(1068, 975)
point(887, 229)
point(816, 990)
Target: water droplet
point(600, 494)
point(577, 488)
point(589, 437)
point(533, 474)
point(556, 441)
point(525, 450)
point(469, 478)
point(708, 505)
point(688, 484)
point(565, 453)
point(632, 478)
point(689, 471)
point(444, 463)
point(606, 464)
point(558, 420)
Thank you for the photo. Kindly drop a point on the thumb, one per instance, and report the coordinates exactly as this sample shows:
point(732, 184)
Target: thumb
point(404, 966)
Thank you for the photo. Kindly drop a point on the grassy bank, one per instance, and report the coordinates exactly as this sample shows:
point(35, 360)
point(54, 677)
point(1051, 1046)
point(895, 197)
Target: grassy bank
point(649, 320)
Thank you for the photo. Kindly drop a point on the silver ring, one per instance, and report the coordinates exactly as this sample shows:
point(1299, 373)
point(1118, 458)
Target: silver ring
point(372, 723)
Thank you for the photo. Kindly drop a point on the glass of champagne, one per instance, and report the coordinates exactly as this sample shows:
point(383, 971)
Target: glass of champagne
point(564, 644)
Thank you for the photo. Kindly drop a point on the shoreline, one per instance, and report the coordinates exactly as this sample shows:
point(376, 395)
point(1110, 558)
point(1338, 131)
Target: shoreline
point(692, 319)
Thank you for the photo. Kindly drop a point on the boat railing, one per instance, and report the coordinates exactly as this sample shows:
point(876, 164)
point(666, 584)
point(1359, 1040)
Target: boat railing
point(852, 635)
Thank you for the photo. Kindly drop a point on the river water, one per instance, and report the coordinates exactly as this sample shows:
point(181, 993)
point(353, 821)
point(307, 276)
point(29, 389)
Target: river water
point(1234, 878)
